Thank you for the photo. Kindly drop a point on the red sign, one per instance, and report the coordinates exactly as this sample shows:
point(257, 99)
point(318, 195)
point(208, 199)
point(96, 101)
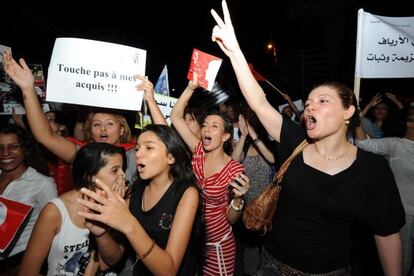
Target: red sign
point(206, 66)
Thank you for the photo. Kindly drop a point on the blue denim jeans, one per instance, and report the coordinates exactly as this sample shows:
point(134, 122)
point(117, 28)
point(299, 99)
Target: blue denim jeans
point(272, 267)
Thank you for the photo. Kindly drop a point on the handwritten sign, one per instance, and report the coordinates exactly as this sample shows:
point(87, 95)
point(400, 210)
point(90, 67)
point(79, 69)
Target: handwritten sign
point(95, 73)
point(385, 46)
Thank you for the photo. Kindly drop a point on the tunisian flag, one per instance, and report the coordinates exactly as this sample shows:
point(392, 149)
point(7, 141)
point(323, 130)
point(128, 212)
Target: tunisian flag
point(256, 74)
point(12, 217)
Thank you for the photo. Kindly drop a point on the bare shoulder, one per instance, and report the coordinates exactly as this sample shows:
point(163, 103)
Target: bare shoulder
point(190, 196)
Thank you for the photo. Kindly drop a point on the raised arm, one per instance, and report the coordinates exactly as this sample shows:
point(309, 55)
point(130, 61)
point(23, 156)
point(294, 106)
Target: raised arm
point(224, 35)
point(395, 100)
point(20, 73)
point(260, 146)
point(291, 104)
point(154, 109)
point(177, 115)
point(238, 153)
point(374, 101)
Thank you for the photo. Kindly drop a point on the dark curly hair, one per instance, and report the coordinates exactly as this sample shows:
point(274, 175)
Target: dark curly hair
point(33, 155)
point(348, 98)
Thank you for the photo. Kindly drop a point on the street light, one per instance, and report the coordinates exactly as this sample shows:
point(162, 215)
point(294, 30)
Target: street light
point(271, 47)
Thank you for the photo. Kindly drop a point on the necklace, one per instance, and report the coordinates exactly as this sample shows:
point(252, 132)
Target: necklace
point(332, 158)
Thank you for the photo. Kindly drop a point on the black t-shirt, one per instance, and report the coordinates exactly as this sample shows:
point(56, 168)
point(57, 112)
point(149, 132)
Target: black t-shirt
point(311, 226)
point(157, 222)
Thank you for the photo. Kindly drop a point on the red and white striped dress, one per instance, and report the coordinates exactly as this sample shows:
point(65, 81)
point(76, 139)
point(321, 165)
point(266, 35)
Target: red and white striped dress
point(221, 247)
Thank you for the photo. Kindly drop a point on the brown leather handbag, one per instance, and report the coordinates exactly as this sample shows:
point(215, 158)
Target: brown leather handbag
point(258, 213)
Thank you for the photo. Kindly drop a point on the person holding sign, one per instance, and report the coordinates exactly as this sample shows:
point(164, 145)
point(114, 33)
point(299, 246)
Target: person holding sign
point(21, 180)
point(101, 126)
point(328, 187)
point(60, 234)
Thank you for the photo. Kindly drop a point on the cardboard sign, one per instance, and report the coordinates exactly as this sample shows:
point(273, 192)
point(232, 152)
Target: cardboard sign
point(206, 66)
point(95, 73)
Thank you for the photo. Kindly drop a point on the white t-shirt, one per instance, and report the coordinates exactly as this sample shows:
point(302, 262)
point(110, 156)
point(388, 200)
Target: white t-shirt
point(35, 189)
point(400, 154)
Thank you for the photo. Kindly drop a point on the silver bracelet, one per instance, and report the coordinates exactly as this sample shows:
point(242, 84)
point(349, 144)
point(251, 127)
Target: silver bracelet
point(235, 208)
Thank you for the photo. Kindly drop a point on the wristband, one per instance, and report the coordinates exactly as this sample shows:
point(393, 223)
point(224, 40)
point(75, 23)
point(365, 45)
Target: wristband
point(237, 208)
point(146, 253)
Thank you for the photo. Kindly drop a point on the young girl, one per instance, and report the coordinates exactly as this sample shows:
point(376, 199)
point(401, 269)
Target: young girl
point(159, 223)
point(216, 172)
point(330, 186)
point(60, 234)
point(101, 126)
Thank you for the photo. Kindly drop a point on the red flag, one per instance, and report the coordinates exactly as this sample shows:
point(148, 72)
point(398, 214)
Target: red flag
point(12, 216)
point(256, 75)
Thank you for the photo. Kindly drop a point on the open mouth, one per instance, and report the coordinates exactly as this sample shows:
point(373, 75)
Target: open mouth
point(104, 137)
point(140, 168)
point(207, 140)
point(310, 122)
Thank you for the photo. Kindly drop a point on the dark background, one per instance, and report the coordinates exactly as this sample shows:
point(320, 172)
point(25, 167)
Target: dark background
point(315, 40)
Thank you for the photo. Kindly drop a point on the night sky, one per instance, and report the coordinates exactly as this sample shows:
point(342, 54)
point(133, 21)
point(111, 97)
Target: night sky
point(315, 39)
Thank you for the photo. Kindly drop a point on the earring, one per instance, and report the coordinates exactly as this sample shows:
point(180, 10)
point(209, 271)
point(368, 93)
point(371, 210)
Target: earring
point(347, 122)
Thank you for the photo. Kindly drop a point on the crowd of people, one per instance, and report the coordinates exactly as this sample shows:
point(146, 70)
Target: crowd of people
point(170, 202)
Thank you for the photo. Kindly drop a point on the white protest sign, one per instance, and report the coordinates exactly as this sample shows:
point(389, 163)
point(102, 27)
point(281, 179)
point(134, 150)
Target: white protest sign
point(95, 73)
point(385, 46)
point(165, 103)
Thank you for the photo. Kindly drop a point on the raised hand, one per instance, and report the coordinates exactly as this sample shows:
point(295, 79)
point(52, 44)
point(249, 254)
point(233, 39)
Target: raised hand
point(147, 86)
point(96, 228)
point(242, 124)
point(375, 100)
point(20, 73)
point(241, 185)
point(223, 32)
point(394, 99)
point(106, 207)
point(193, 84)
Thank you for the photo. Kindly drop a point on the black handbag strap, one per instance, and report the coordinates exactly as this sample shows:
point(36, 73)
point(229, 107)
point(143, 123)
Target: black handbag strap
point(277, 178)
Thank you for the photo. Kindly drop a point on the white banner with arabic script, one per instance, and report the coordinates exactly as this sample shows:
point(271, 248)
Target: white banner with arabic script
point(385, 46)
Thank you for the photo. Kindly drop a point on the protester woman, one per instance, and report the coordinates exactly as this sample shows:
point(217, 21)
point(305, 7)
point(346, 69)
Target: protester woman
point(216, 175)
point(160, 221)
point(62, 236)
point(329, 186)
point(102, 125)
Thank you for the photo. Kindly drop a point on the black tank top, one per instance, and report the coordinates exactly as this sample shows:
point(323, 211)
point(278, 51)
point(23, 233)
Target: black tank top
point(157, 222)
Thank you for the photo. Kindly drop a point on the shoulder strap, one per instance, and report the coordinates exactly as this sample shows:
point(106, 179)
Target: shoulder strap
point(279, 175)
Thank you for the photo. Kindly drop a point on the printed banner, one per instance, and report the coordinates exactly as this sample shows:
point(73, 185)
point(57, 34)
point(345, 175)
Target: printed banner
point(95, 73)
point(165, 103)
point(385, 46)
